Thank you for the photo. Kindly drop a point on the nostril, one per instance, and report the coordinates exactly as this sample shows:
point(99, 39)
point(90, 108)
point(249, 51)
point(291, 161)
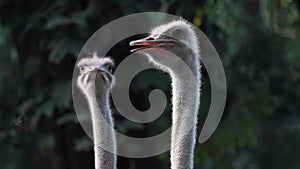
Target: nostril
point(149, 38)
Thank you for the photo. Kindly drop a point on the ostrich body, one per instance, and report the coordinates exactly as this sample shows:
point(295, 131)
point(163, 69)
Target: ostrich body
point(178, 38)
point(95, 81)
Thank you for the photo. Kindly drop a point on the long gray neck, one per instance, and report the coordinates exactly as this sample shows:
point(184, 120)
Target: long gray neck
point(103, 134)
point(186, 95)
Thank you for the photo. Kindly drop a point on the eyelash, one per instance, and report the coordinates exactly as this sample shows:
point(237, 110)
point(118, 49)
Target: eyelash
point(109, 67)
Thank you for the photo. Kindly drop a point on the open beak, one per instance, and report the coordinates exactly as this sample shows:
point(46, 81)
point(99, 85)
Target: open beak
point(148, 42)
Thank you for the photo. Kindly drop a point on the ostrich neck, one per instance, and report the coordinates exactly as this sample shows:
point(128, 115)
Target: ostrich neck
point(103, 134)
point(184, 116)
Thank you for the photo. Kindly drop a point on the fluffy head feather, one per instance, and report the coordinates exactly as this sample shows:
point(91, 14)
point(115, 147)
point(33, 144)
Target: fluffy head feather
point(95, 72)
point(180, 30)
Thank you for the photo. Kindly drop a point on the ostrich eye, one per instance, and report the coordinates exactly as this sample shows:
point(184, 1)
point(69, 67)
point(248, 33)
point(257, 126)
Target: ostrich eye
point(177, 33)
point(109, 67)
point(81, 68)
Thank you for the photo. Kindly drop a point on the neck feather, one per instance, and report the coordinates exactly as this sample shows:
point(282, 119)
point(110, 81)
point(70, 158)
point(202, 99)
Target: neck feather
point(186, 95)
point(103, 134)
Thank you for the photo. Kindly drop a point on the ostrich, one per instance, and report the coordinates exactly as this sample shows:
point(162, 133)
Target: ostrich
point(95, 81)
point(179, 38)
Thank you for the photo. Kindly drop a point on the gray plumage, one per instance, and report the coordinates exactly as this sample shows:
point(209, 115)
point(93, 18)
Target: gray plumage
point(179, 38)
point(95, 81)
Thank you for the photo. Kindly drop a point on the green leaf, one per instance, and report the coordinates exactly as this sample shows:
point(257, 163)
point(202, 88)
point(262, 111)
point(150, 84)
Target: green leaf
point(46, 108)
point(47, 142)
point(83, 144)
point(68, 118)
point(61, 94)
point(32, 65)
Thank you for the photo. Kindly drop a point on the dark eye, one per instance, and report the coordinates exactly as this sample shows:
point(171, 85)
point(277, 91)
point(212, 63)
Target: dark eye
point(109, 67)
point(81, 68)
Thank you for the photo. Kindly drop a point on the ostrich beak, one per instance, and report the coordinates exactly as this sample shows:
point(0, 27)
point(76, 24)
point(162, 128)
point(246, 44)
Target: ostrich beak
point(150, 41)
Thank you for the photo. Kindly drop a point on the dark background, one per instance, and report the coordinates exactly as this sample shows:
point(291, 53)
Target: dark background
point(258, 42)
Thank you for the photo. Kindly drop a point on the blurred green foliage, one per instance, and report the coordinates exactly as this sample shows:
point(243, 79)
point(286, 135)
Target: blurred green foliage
point(257, 40)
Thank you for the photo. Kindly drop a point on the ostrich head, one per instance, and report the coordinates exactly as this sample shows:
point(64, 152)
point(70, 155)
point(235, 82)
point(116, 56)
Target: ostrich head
point(95, 73)
point(177, 37)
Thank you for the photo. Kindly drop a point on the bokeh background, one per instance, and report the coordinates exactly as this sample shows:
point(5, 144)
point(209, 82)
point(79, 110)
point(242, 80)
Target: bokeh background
point(258, 42)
